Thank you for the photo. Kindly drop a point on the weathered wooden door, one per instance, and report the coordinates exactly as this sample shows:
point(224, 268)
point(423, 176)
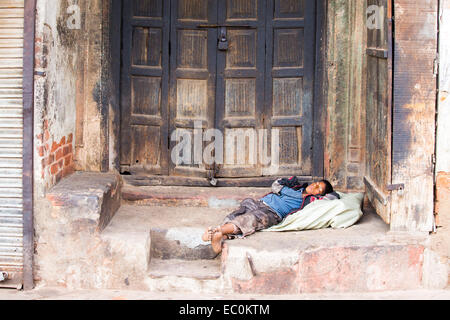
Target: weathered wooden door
point(244, 67)
point(265, 87)
point(144, 96)
point(379, 107)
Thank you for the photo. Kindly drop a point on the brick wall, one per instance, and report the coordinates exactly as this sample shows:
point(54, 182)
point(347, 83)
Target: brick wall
point(56, 157)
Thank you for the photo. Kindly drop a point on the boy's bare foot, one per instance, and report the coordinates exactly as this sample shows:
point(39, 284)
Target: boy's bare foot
point(207, 236)
point(217, 240)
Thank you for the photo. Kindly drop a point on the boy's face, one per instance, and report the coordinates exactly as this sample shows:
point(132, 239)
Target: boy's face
point(316, 188)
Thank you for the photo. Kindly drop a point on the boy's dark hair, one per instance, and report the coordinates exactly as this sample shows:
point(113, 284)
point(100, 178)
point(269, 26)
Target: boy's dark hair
point(328, 187)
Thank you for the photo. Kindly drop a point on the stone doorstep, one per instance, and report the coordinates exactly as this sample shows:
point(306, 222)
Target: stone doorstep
point(175, 196)
point(361, 258)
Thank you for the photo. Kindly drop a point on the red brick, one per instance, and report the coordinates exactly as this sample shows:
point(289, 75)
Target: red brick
point(63, 141)
point(61, 163)
point(70, 138)
point(45, 124)
point(46, 147)
point(67, 149)
point(55, 146)
point(54, 169)
point(67, 160)
point(59, 154)
point(50, 159)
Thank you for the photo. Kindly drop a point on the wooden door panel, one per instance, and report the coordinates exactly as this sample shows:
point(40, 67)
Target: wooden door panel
point(379, 111)
point(289, 84)
point(144, 119)
point(192, 83)
point(240, 86)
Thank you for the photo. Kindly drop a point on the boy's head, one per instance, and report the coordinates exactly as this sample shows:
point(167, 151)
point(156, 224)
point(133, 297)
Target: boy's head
point(321, 187)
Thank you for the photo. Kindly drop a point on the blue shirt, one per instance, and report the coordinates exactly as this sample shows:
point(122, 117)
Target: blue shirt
point(286, 202)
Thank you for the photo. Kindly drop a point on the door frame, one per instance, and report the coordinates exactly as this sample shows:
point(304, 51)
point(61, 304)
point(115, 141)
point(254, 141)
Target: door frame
point(319, 101)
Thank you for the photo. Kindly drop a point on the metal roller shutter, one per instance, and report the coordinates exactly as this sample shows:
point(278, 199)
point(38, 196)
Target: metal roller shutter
point(11, 141)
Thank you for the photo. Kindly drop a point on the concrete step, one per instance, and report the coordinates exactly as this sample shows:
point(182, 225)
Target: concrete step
point(197, 269)
point(196, 276)
point(175, 196)
point(363, 258)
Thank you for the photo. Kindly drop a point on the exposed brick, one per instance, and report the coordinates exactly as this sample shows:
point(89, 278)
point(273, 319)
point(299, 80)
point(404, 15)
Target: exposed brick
point(59, 154)
point(61, 163)
point(54, 169)
point(51, 159)
point(67, 149)
point(46, 147)
point(70, 138)
point(63, 141)
point(55, 146)
point(67, 160)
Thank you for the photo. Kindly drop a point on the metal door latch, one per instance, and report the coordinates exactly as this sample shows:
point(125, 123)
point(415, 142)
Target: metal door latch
point(223, 41)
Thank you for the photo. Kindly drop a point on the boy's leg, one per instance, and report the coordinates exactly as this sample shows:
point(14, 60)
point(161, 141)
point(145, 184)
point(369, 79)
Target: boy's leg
point(243, 208)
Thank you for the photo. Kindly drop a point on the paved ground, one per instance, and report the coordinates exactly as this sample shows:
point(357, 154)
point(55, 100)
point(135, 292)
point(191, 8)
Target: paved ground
point(54, 293)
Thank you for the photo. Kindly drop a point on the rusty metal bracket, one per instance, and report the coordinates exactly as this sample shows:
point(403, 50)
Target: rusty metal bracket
point(395, 187)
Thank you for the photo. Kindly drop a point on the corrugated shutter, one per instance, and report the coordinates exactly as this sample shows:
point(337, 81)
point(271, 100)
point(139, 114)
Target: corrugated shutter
point(11, 140)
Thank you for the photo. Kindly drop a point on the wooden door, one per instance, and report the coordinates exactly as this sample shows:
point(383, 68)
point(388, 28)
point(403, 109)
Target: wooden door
point(290, 67)
point(266, 81)
point(192, 83)
point(240, 86)
point(179, 78)
point(379, 106)
point(144, 100)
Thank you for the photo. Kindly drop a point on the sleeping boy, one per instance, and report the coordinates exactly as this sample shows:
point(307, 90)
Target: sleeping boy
point(287, 196)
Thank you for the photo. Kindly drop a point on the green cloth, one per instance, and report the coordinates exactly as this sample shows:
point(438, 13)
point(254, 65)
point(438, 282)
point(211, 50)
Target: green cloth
point(339, 213)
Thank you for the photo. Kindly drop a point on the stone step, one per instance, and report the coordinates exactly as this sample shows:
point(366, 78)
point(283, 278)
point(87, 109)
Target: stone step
point(180, 243)
point(175, 196)
point(196, 269)
point(362, 258)
point(174, 275)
